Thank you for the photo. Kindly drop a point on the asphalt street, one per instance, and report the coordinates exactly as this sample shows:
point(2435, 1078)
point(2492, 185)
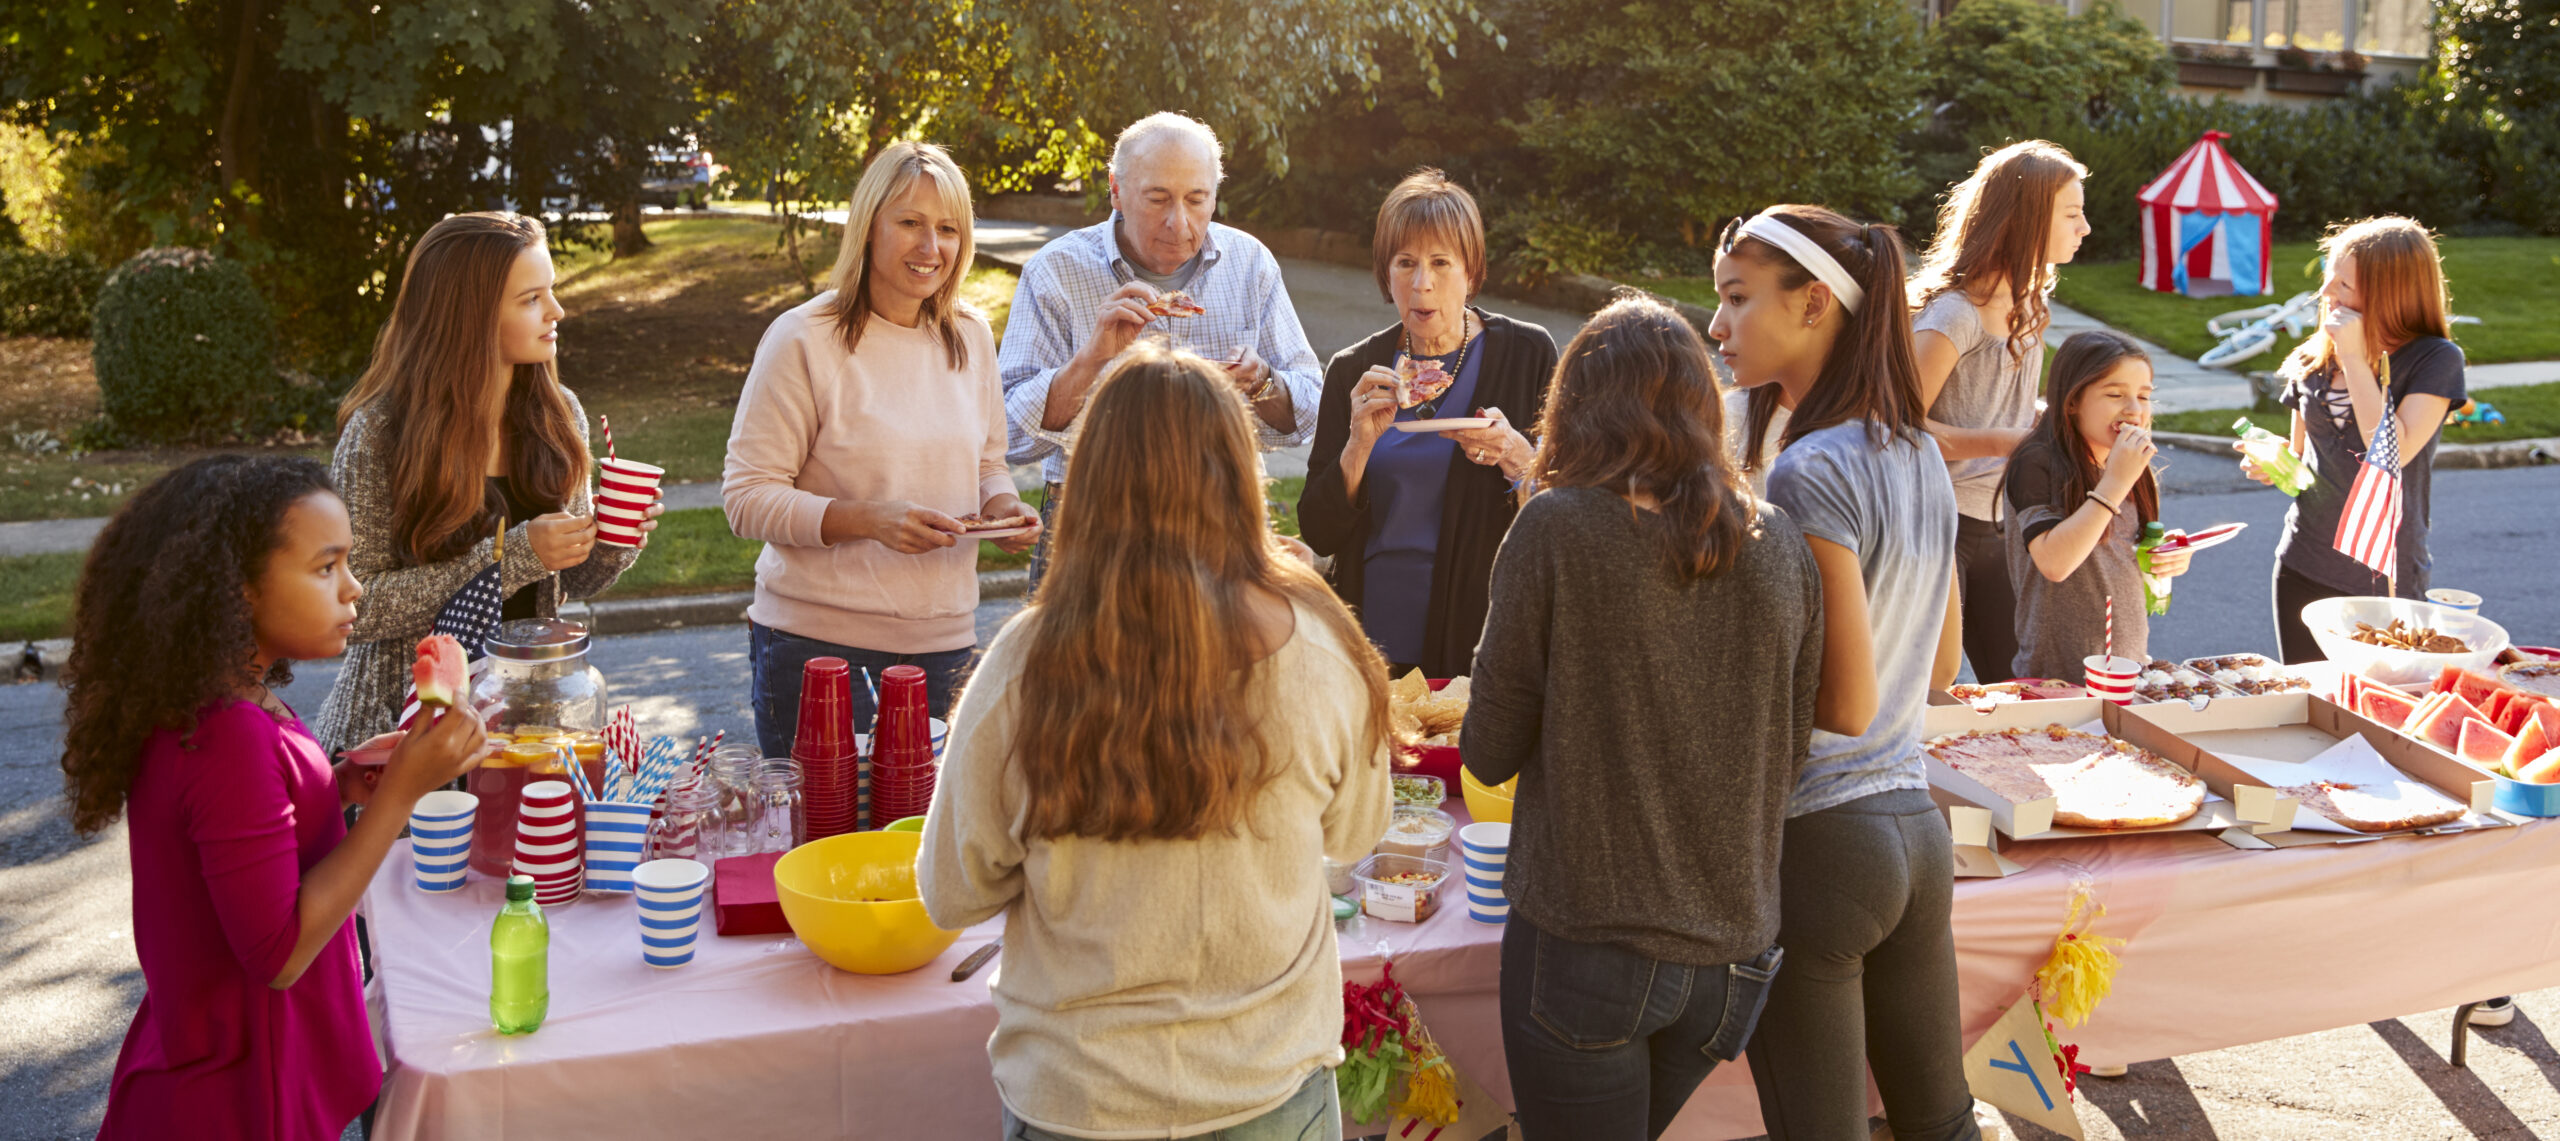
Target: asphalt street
point(68, 982)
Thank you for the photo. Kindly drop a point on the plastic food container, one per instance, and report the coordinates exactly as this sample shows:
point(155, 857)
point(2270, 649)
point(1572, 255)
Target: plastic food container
point(1402, 889)
point(1419, 791)
point(1338, 878)
point(2331, 620)
point(1422, 832)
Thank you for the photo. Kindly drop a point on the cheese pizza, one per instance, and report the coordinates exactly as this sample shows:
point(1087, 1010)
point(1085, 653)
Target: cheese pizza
point(2352, 806)
point(2095, 781)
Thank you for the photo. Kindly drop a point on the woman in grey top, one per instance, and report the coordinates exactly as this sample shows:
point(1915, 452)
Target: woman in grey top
point(1647, 671)
point(1978, 333)
point(1809, 316)
point(460, 422)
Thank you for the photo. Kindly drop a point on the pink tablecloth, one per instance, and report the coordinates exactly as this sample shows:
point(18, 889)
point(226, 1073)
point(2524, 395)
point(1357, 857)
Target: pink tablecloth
point(2227, 947)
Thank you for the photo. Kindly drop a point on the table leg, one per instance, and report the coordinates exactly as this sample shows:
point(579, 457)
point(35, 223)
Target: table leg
point(2461, 1033)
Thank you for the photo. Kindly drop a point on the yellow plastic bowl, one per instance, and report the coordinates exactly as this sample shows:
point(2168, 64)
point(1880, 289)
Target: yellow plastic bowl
point(852, 900)
point(1487, 804)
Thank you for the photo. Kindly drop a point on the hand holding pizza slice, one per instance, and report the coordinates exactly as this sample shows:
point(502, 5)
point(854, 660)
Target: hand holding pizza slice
point(1420, 382)
point(1175, 304)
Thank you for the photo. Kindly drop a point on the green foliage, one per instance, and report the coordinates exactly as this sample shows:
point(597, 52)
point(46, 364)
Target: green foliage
point(1994, 64)
point(185, 349)
point(2500, 61)
point(45, 294)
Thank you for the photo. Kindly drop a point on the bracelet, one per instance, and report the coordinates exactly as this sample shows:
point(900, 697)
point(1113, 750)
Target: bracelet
point(2101, 501)
point(1262, 391)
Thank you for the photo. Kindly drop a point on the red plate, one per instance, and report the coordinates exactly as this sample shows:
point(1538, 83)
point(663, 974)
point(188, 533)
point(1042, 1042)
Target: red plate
point(2212, 536)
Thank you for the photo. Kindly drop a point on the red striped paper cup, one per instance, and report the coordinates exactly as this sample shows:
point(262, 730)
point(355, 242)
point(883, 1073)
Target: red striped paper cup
point(2111, 678)
point(623, 490)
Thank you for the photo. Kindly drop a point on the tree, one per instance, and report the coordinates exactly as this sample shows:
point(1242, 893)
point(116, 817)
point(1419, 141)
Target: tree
point(1994, 64)
point(2499, 60)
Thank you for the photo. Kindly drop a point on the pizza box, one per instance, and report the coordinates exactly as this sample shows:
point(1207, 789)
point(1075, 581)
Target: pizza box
point(2034, 819)
point(2297, 727)
point(1977, 846)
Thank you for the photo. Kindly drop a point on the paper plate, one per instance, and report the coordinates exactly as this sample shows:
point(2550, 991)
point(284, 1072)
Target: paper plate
point(2212, 536)
point(1001, 533)
point(1445, 424)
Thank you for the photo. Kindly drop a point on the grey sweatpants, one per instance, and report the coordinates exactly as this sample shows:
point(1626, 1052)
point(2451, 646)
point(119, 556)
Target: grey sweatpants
point(1867, 892)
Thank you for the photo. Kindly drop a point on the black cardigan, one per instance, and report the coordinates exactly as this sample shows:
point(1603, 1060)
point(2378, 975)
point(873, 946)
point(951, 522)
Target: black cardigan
point(1519, 362)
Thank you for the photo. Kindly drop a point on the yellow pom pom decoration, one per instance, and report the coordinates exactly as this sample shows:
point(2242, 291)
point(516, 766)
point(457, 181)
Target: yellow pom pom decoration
point(2082, 968)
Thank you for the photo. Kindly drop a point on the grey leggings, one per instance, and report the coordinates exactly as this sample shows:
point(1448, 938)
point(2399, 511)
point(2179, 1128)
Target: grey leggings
point(1867, 891)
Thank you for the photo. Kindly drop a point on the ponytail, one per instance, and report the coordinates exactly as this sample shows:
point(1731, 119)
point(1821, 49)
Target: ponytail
point(1871, 372)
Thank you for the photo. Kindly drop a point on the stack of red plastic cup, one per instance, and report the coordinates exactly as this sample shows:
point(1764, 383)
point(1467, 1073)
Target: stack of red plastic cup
point(825, 748)
point(902, 769)
point(549, 844)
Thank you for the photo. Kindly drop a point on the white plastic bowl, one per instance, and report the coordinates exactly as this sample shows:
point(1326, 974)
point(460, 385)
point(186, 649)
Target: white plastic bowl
point(2331, 620)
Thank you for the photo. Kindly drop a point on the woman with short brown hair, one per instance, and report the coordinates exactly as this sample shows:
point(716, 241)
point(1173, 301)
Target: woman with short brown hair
point(1412, 517)
point(1145, 776)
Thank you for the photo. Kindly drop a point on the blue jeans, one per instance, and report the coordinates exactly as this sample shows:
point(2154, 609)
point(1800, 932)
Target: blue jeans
point(1314, 1113)
point(1606, 1044)
point(778, 656)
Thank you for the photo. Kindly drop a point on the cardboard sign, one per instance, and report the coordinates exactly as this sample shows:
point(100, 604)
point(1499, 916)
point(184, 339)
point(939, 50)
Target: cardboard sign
point(2010, 1067)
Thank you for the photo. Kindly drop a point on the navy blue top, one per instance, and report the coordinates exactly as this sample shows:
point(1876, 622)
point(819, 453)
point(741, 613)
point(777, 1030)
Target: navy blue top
point(1407, 481)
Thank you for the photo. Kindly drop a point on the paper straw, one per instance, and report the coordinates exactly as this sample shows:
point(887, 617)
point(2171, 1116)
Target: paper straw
point(577, 773)
point(2111, 626)
point(607, 421)
point(871, 689)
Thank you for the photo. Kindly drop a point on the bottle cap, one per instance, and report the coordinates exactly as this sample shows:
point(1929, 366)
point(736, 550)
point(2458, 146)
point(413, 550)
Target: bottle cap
point(519, 887)
point(2154, 530)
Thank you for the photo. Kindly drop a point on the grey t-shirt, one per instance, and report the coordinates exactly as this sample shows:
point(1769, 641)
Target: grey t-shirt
point(1892, 506)
point(1989, 389)
point(2060, 623)
point(1178, 280)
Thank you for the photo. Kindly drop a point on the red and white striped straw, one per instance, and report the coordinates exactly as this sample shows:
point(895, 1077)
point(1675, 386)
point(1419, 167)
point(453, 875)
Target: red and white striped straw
point(607, 421)
point(2111, 630)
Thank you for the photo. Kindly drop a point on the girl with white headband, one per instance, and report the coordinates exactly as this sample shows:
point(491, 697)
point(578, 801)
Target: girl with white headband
point(1809, 316)
point(1978, 330)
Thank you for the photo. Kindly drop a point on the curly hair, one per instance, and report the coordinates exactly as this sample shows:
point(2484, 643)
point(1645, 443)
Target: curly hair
point(160, 626)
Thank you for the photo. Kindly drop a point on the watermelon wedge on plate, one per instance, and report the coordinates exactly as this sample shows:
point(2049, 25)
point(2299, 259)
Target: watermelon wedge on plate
point(2545, 770)
point(2525, 749)
point(2482, 744)
point(2388, 707)
point(2443, 726)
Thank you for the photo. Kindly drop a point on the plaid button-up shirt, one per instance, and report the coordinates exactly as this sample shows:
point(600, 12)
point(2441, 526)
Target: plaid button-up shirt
point(1064, 286)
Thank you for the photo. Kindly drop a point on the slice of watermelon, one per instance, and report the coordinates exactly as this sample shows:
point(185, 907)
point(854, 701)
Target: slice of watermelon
point(441, 674)
point(2496, 706)
point(2518, 714)
point(2388, 707)
point(2475, 689)
point(2531, 743)
point(2444, 726)
point(2482, 744)
point(2445, 681)
point(2545, 770)
point(2547, 715)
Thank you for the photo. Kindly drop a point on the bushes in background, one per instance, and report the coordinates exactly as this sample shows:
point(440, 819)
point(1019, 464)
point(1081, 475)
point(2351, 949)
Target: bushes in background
point(185, 350)
point(46, 295)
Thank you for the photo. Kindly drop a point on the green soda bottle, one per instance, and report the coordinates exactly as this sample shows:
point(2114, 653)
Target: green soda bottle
point(519, 962)
point(2155, 587)
point(2274, 455)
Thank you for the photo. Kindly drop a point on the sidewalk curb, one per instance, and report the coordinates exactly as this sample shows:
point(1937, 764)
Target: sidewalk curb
point(2502, 454)
point(42, 660)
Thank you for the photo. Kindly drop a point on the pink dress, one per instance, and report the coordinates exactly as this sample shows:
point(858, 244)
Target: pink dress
point(221, 833)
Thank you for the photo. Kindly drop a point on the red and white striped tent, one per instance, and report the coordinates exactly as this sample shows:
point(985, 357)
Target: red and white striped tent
point(2207, 226)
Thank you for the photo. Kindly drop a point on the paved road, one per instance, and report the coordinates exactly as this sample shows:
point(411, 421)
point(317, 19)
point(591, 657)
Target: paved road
point(68, 982)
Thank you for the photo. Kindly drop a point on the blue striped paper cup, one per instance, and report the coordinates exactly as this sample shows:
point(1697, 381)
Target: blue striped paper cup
point(670, 897)
point(440, 839)
point(1484, 849)
point(941, 734)
point(617, 839)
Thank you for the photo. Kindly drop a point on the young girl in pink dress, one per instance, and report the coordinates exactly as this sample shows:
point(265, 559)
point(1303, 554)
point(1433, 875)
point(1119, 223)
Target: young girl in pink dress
point(196, 598)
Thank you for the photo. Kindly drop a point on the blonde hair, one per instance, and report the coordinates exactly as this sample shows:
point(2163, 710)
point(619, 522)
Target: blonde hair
point(896, 168)
point(1995, 227)
point(1427, 205)
point(1140, 715)
point(2399, 281)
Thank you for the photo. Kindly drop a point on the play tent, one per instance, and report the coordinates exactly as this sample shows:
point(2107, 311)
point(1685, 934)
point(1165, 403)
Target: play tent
point(2207, 226)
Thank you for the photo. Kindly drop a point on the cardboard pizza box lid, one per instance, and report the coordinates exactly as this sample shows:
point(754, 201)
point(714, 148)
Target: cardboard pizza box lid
point(1977, 847)
point(2296, 727)
point(2033, 820)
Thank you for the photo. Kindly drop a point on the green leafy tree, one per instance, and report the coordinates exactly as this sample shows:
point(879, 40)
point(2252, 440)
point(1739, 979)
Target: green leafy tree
point(1994, 64)
point(2500, 61)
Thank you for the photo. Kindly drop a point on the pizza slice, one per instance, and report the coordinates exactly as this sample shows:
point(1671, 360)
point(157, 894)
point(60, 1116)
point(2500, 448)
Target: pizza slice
point(974, 522)
point(2354, 807)
point(1420, 382)
point(2095, 781)
point(1175, 304)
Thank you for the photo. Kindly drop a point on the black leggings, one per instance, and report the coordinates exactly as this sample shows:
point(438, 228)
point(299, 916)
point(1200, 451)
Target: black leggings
point(1990, 605)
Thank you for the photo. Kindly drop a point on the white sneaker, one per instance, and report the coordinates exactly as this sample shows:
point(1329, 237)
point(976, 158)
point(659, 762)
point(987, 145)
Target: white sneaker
point(2108, 1071)
point(2495, 1012)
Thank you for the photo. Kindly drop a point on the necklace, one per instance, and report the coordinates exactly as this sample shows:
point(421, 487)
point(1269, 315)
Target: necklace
point(1431, 408)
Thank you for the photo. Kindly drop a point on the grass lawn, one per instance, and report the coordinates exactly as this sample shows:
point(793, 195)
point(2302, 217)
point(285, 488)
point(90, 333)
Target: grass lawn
point(35, 595)
point(2532, 412)
point(2511, 284)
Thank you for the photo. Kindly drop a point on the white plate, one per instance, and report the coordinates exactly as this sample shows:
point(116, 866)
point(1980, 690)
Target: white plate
point(1001, 533)
point(2213, 536)
point(1445, 424)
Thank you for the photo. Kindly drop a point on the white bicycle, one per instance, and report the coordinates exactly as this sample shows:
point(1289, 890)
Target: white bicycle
point(2245, 333)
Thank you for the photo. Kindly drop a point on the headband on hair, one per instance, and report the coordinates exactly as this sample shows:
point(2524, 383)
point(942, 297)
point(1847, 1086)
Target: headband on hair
point(1809, 254)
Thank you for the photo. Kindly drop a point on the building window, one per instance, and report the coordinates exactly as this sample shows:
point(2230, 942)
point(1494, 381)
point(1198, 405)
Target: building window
point(2312, 25)
point(2375, 27)
point(2393, 27)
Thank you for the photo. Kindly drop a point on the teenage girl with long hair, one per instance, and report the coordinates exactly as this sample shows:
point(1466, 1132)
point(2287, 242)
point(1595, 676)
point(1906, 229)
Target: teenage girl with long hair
point(1145, 776)
point(194, 602)
point(1810, 317)
point(1978, 322)
point(460, 423)
point(1656, 751)
point(2385, 348)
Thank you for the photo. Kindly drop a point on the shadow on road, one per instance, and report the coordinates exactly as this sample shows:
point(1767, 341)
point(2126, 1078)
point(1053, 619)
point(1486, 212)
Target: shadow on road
point(2464, 1095)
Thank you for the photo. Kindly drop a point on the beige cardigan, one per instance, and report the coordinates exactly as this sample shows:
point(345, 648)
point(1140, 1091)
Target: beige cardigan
point(1161, 988)
point(400, 603)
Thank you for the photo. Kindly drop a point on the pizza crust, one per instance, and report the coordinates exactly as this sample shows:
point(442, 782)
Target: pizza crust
point(2095, 781)
point(2355, 808)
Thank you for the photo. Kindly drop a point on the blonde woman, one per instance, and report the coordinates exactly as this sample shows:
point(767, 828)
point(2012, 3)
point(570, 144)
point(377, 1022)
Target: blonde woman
point(1977, 327)
point(2384, 349)
point(871, 423)
point(1144, 778)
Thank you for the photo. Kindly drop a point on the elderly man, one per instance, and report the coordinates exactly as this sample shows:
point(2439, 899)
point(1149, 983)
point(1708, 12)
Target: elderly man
point(1084, 299)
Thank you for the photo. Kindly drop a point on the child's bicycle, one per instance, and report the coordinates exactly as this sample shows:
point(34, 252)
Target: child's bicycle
point(2245, 333)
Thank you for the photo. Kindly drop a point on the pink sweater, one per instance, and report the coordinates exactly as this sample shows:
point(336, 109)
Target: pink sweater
point(893, 421)
point(220, 836)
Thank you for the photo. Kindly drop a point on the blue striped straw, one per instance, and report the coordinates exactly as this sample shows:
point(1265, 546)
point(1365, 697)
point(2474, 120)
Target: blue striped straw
point(577, 773)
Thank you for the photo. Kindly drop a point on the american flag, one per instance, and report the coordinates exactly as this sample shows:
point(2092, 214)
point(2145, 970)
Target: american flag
point(471, 615)
point(2369, 530)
